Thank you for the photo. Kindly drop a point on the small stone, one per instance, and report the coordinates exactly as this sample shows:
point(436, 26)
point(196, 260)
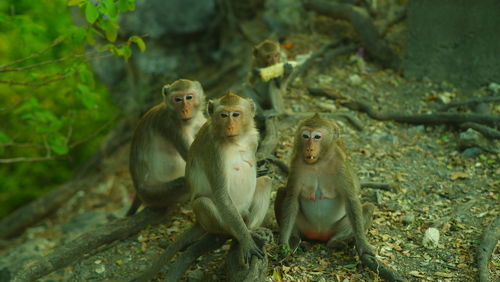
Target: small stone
point(100, 269)
point(431, 238)
point(472, 152)
point(409, 218)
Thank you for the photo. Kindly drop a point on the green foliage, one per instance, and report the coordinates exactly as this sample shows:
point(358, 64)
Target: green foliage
point(52, 109)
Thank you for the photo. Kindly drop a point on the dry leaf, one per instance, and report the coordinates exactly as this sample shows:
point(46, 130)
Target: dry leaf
point(416, 274)
point(459, 175)
point(443, 274)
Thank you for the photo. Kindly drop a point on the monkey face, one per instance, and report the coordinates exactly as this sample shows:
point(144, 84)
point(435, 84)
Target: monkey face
point(184, 102)
point(311, 145)
point(231, 121)
point(272, 58)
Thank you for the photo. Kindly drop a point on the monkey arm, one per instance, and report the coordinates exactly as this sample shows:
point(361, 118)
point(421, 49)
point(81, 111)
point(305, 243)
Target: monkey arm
point(355, 213)
point(290, 208)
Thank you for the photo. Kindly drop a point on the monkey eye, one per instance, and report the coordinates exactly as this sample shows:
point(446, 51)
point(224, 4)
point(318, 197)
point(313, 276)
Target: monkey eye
point(236, 114)
point(316, 135)
point(189, 96)
point(224, 114)
point(306, 135)
point(178, 99)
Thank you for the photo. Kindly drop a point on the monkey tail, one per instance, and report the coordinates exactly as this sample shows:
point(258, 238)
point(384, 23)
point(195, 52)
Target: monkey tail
point(134, 207)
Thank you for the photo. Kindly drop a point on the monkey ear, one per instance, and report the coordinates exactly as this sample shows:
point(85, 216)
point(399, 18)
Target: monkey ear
point(253, 107)
point(210, 107)
point(164, 91)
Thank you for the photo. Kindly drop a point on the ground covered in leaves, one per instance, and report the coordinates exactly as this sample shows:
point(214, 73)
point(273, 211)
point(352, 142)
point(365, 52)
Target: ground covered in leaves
point(438, 182)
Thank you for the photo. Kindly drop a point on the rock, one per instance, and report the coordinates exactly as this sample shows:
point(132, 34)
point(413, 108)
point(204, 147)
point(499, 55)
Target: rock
point(431, 238)
point(472, 138)
point(472, 152)
point(161, 18)
point(13, 260)
point(283, 16)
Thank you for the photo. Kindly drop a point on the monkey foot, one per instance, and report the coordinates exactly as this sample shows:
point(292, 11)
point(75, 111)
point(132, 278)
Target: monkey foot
point(262, 236)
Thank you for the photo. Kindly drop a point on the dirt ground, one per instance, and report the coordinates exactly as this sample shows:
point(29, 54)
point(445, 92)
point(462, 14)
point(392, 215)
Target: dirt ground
point(435, 180)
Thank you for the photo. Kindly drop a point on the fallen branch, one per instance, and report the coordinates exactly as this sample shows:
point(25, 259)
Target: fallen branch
point(87, 242)
point(472, 101)
point(490, 238)
point(381, 269)
point(331, 55)
point(363, 25)
point(486, 131)
point(434, 118)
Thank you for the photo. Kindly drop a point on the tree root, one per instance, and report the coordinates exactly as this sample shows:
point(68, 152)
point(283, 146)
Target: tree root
point(468, 102)
point(363, 25)
point(381, 269)
point(85, 243)
point(490, 238)
point(434, 118)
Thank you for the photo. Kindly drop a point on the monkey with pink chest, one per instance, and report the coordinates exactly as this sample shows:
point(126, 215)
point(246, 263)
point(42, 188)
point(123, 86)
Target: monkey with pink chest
point(161, 142)
point(321, 199)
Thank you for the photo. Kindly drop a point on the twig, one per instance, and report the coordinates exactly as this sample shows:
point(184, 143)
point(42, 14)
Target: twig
point(75, 249)
point(471, 101)
point(490, 238)
point(30, 159)
point(32, 84)
point(486, 131)
point(34, 55)
point(379, 186)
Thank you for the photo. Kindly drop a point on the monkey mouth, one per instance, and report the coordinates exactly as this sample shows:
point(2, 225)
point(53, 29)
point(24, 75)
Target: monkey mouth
point(310, 159)
point(187, 119)
point(232, 137)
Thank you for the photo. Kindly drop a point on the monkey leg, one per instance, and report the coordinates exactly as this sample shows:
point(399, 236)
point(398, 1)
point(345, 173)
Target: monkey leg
point(164, 195)
point(344, 232)
point(260, 202)
point(209, 217)
point(136, 203)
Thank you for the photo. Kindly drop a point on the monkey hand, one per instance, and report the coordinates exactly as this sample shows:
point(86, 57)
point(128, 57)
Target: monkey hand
point(287, 69)
point(247, 250)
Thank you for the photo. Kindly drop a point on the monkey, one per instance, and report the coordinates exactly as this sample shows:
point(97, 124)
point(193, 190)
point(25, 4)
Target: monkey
point(267, 92)
point(320, 201)
point(160, 145)
point(226, 196)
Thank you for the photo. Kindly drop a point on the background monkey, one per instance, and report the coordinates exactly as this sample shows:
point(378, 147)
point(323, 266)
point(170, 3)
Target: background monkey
point(321, 198)
point(267, 93)
point(161, 142)
point(221, 174)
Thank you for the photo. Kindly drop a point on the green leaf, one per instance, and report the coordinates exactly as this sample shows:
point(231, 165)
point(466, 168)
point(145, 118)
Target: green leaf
point(91, 12)
point(108, 8)
point(126, 5)
point(125, 52)
point(137, 40)
point(74, 2)
point(57, 144)
point(4, 139)
point(110, 30)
